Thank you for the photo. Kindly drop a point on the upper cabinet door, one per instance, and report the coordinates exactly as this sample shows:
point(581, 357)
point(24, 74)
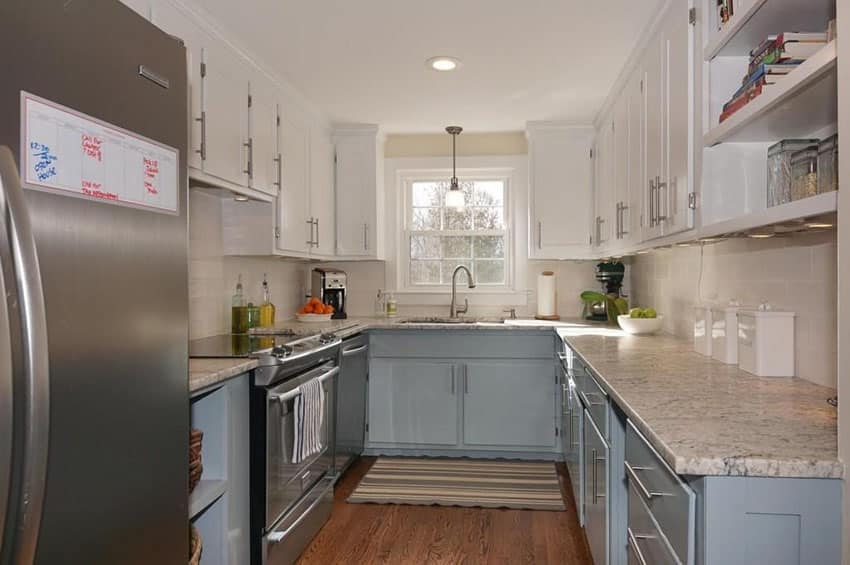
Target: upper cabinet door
point(676, 185)
point(632, 215)
point(175, 22)
point(654, 87)
point(295, 228)
point(225, 103)
point(621, 172)
point(322, 192)
point(264, 151)
point(560, 188)
point(604, 228)
point(358, 177)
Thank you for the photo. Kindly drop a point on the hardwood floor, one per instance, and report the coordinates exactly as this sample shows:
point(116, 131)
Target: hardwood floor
point(400, 534)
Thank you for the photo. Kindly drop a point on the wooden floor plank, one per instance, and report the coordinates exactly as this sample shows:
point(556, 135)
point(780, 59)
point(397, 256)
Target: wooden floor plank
point(403, 534)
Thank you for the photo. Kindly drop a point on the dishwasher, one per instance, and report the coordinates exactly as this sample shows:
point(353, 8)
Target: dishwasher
point(351, 401)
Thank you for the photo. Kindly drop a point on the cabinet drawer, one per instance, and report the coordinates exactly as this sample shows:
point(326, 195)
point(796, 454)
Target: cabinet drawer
point(646, 544)
point(594, 399)
point(668, 499)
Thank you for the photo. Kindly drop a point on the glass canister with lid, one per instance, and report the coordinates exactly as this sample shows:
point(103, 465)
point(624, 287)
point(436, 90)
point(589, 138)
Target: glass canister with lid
point(779, 175)
point(804, 173)
point(828, 165)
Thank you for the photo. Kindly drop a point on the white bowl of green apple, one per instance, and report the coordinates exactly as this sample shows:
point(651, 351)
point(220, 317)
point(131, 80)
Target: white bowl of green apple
point(641, 321)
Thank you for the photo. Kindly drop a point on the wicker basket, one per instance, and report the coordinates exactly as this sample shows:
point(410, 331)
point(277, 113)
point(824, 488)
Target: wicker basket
point(196, 469)
point(195, 546)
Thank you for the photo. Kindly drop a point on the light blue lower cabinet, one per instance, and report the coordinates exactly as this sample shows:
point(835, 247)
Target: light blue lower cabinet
point(776, 521)
point(509, 404)
point(413, 403)
point(596, 515)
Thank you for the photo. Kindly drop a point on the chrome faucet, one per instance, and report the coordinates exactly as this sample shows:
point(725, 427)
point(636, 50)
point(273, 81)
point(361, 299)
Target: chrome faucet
point(453, 309)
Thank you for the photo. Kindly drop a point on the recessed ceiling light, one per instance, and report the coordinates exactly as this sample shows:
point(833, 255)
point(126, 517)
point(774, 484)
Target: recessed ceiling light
point(817, 225)
point(443, 63)
point(240, 198)
point(761, 235)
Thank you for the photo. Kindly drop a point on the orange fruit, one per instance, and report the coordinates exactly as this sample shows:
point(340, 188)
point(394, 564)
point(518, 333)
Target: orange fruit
point(315, 300)
point(328, 309)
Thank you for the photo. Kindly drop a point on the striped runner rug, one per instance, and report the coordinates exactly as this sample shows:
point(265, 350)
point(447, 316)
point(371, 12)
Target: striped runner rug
point(461, 482)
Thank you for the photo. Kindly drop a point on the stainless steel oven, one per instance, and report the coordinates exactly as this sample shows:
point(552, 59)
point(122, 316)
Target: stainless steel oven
point(291, 497)
point(286, 479)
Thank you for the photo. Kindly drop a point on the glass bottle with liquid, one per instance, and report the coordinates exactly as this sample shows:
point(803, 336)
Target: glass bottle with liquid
point(267, 309)
point(239, 310)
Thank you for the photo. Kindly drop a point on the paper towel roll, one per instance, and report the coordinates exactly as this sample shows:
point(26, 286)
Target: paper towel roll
point(546, 294)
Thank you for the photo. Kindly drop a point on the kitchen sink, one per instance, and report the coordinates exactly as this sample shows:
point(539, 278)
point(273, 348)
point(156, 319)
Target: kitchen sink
point(452, 321)
point(433, 320)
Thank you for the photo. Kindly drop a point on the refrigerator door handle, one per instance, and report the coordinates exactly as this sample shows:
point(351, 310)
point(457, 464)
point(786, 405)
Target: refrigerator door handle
point(35, 391)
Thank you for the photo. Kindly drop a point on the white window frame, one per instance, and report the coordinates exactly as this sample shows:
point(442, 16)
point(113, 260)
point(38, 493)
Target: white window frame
point(406, 180)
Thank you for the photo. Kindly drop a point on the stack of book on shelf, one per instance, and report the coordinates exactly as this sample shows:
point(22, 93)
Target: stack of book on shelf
point(777, 56)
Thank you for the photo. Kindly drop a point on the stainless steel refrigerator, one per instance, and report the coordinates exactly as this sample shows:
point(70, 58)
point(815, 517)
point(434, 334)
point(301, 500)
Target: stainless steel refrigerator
point(94, 402)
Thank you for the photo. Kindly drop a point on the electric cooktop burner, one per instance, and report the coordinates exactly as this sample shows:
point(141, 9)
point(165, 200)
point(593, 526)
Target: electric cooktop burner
point(278, 346)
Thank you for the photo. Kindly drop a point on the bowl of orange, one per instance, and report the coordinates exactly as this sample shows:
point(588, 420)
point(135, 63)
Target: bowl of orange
point(314, 310)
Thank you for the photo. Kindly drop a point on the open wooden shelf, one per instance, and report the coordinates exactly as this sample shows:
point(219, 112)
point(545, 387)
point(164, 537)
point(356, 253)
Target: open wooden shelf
point(801, 103)
point(749, 28)
point(205, 493)
point(813, 207)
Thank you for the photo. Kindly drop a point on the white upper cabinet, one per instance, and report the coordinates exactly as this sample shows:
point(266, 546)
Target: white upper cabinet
point(654, 140)
point(560, 190)
point(224, 98)
point(632, 212)
point(678, 120)
point(603, 191)
point(265, 165)
point(359, 186)
point(322, 193)
point(295, 225)
point(622, 150)
point(179, 24)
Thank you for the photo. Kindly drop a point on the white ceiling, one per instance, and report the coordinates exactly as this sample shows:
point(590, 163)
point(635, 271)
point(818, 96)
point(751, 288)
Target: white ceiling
point(364, 60)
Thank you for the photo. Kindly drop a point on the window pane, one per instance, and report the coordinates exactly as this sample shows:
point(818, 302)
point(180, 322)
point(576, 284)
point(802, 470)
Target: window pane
point(449, 267)
point(458, 219)
point(457, 247)
point(490, 247)
point(424, 247)
point(427, 194)
point(489, 218)
point(490, 272)
point(424, 272)
point(489, 193)
point(425, 219)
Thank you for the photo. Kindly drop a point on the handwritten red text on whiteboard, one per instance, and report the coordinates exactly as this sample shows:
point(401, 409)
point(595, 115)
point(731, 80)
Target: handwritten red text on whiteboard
point(93, 147)
point(94, 189)
point(151, 174)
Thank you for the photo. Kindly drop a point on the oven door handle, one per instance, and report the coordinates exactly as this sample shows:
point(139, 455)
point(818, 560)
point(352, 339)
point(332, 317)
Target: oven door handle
point(295, 392)
point(277, 537)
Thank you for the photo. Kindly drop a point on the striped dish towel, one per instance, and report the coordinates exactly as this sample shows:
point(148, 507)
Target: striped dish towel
point(309, 414)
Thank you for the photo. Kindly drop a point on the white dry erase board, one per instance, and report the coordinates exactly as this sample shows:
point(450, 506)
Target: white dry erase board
point(67, 152)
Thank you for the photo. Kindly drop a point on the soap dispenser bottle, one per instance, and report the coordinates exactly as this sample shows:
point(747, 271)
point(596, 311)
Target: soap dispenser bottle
point(267, 309)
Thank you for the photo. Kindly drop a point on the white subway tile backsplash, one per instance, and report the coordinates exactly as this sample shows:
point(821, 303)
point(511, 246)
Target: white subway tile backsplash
point(795, 273)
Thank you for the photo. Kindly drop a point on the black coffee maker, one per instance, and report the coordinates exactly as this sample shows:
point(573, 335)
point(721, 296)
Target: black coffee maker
point(328, 285)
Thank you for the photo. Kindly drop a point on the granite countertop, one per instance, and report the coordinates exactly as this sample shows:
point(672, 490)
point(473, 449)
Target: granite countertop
point(708, 418)
point(703, 417)
point(204, 373)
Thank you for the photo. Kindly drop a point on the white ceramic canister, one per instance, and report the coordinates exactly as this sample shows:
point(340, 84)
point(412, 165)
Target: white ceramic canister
point(766, 342)
point(724, 333)
point(702, 329)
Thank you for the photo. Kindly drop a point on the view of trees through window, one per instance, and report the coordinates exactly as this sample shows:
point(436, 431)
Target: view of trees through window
point(442, 238)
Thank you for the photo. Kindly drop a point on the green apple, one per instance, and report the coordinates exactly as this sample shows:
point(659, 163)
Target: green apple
point(650, 313)
point(635, 313)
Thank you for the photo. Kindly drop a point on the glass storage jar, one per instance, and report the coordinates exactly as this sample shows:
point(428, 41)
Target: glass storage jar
point(828, 165)
point(779, 169)
point(804, 173)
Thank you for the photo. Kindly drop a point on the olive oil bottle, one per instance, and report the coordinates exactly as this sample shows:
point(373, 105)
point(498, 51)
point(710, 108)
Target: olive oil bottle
point(267, 309)
point(239, 310)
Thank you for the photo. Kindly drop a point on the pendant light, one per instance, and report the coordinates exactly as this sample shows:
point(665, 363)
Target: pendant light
point(454, 195)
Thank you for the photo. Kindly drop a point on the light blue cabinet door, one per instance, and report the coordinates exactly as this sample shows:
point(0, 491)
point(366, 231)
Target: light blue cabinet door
point(413, 402)
point(510, 404)
point(596, 453)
